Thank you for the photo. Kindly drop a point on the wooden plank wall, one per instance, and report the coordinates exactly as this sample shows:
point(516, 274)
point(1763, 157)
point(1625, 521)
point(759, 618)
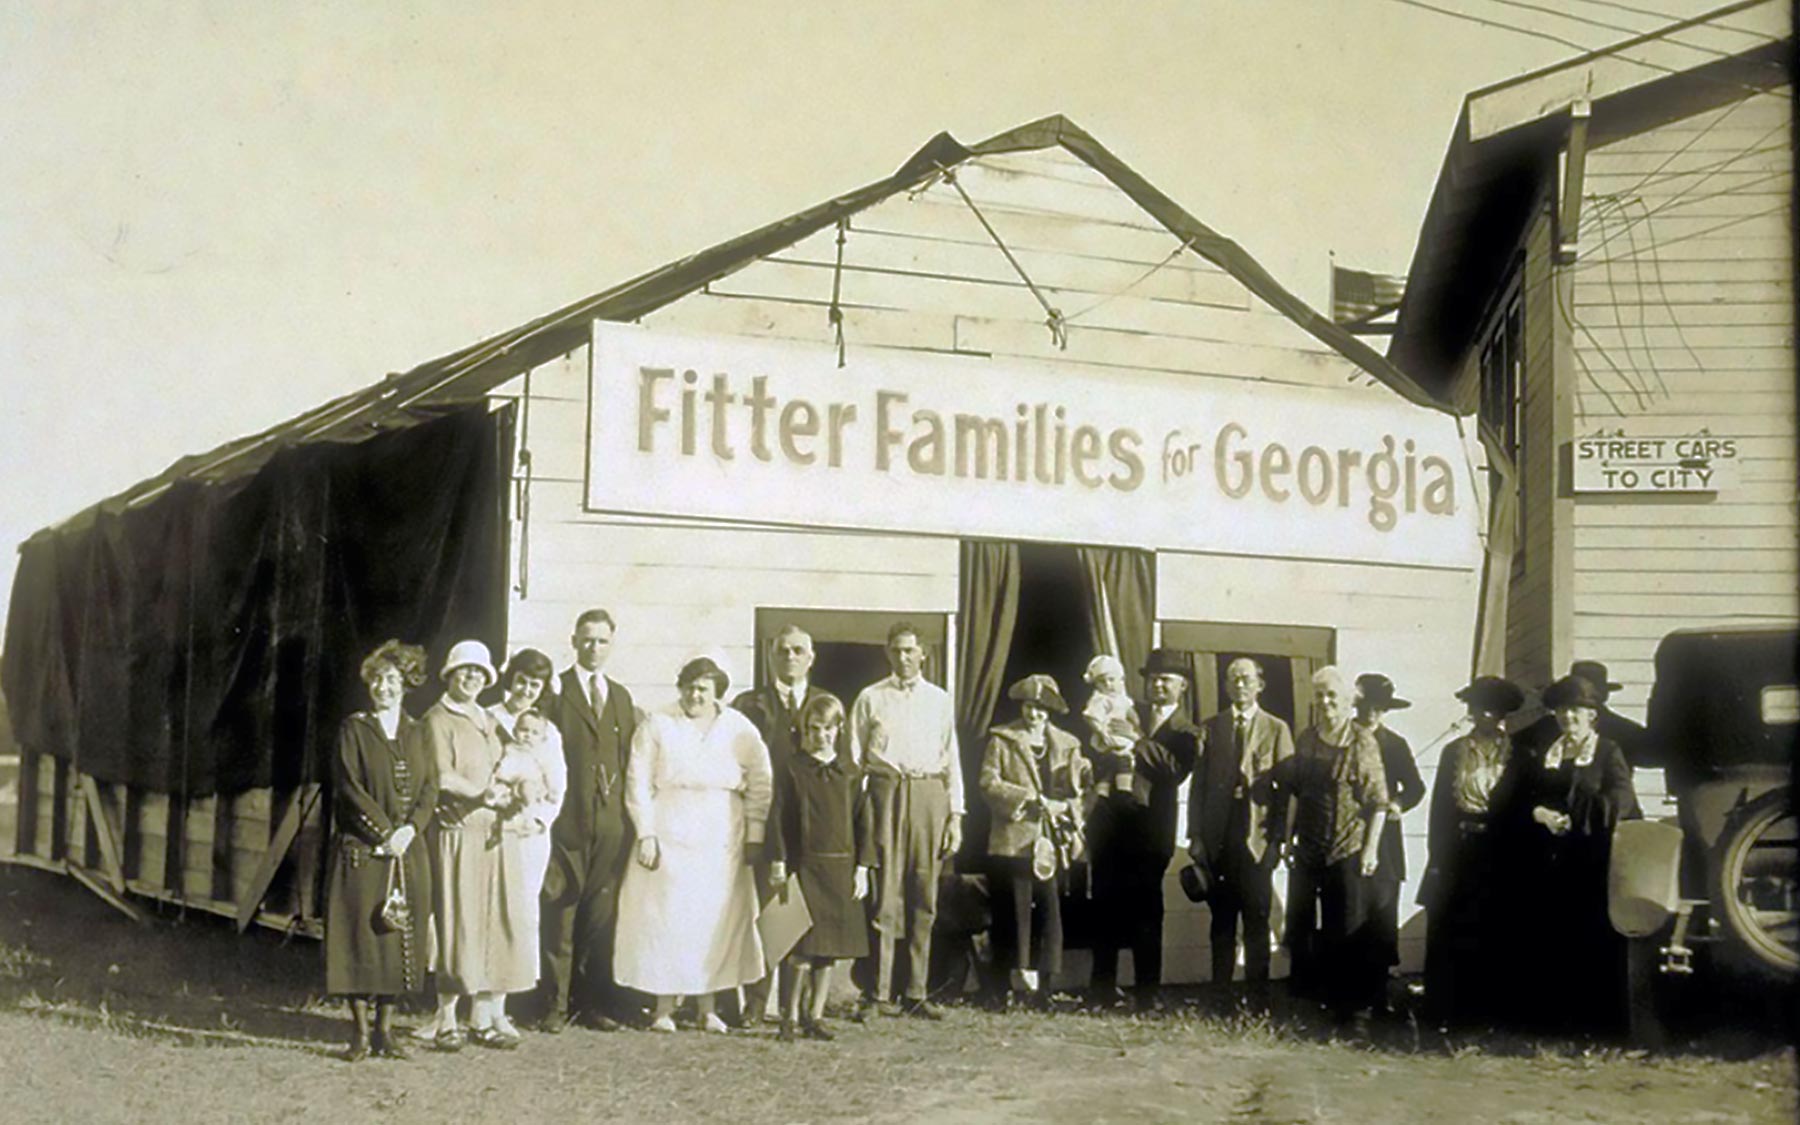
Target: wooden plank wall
point(218, 843)
point(1388, 620)
point(1684, 292)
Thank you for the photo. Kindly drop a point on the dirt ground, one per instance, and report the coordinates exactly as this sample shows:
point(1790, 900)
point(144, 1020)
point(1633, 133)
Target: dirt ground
point(183, 1020)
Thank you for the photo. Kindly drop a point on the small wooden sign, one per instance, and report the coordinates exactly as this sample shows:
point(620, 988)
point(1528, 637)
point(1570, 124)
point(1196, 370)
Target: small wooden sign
point(1618, 461)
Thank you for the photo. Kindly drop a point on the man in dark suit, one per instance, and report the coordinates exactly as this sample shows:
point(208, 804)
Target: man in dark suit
point(1374, 699)
point(1131, 835)
point(774, 709)
point(591, 841)
point(1235, 822)
point(1609, 724)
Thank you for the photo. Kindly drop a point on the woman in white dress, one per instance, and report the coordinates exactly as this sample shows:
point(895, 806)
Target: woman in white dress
point(698, 789)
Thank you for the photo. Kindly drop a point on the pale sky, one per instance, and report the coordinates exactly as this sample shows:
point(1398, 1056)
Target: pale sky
point(216, 215)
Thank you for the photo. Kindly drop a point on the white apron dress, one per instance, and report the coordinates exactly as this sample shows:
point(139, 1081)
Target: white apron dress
point(688, 927)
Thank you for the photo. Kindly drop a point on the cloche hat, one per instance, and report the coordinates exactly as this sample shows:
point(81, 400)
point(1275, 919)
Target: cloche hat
point(470, 654)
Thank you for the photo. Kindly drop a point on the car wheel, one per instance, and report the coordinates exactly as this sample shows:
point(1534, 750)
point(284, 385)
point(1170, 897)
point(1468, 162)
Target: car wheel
point(1753, 886)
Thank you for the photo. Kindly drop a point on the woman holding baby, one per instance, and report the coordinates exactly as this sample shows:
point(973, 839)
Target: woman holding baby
point(487, 876)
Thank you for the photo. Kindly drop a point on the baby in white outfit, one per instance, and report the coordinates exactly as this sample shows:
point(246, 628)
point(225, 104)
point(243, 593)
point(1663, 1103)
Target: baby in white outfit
point(1112, 720)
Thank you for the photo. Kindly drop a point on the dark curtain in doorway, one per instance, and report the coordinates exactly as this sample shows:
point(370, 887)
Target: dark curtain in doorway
point(1121, 606)
point(988, 610)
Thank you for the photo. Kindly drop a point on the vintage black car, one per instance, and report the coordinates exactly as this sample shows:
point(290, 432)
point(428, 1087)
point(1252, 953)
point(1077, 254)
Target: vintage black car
point(1713, 893)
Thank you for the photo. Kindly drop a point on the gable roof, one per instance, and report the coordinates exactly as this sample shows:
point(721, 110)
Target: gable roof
point(467, 375)
point(1503, 156)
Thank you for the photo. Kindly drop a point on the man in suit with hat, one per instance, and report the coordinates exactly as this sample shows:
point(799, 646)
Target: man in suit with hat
point(1631, 738)
point(774, 709)
point(1374, 699)
point(591, 841)
point(1235, 822)
point(1131, 835)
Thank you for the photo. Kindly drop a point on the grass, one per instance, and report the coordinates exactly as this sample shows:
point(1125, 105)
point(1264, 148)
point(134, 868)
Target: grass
point(186, 1020)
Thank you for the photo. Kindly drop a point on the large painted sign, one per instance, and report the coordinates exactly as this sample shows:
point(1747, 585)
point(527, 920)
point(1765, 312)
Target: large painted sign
point(772, 432)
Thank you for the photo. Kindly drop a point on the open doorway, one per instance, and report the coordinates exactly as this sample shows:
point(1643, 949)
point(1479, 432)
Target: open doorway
point(1052, 636)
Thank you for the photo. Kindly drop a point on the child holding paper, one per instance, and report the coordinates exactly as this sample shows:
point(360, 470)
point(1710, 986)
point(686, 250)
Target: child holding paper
point(827, 837)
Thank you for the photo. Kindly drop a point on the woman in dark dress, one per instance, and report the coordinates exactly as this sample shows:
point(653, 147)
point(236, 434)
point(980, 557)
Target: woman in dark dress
point(1033, 778)
point(385, 789)
point(1560, 804)
point(1458, 890)
point(827, 834)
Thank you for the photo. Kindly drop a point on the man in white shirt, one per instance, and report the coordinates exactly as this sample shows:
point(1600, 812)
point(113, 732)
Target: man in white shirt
point(903, 731)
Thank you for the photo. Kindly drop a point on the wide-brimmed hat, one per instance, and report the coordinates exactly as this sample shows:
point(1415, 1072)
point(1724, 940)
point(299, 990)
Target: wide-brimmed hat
point(1106, 664)
point(1574, 691)
point(1166, 662)
point(1196, 882)
point(1495, 694)
point(1377, 691)
point(1595, 672)
point(470, 654)
point(1041, 690)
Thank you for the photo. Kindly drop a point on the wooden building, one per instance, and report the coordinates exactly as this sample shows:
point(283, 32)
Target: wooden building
point(1012, 393)
point(1605, 278)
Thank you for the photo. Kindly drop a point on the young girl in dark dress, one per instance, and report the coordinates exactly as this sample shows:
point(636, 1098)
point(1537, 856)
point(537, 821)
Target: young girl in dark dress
point(827, 837)
point(385, 790)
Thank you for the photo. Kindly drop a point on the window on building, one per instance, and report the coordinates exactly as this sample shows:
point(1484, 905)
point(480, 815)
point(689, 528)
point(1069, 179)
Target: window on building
point(1288, 655)
point(849, 646)
point(1503, 398)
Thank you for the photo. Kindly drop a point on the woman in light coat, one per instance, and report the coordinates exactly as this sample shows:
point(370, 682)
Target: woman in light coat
point(1033, 778)
point(484, 951)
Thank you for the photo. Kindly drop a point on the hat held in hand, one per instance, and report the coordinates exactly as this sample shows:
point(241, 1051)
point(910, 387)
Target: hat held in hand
point(1196, 882)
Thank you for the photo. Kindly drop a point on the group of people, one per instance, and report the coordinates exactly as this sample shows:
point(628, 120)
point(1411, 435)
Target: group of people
point(600, 863)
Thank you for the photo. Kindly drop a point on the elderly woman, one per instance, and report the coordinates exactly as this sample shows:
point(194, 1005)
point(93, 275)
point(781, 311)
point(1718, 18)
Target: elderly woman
point(1033, 777)
point(698, 790)
point(485, 949)
point(385, 790)
point(1463, 915)
point(1559, 806)
point(1340, 800)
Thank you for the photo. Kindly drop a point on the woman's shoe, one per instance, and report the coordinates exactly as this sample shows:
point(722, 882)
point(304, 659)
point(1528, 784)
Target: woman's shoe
point(813, 1029)
point(785, 1033)
point(449, 1041)
point(711, 1022)
point(663, 1025)
point(493, 1038)
point(357, 1051)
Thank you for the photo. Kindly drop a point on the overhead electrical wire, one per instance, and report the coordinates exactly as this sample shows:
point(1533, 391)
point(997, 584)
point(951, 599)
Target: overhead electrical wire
point(1667, 17)
point(1500, 25)
point(1603, 25)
